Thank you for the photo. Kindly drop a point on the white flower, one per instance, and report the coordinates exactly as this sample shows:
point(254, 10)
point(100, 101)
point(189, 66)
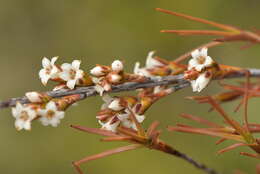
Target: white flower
point(201, 82)
point(127, 122)
point(152, 62)
point(117, 65)
point(33, 97)
point(109, 125)
point(200, 60)
point(71, 73)
point(50, 115)
point(158, 89)
point(107, 99)
point(115, 105)
point(101, 85)
point(49, 70)
point(141, 71)
point(99, 89)
point(24, 115)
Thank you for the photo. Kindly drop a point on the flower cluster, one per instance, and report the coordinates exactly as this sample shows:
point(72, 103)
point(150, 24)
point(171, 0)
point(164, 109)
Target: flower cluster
point(68, 75)
point(105, 76)
point(200, 69)
point(47, 115)
point(117, 111)
point(43, 108)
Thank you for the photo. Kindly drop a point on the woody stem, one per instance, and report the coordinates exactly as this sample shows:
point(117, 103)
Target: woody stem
point(177, 82)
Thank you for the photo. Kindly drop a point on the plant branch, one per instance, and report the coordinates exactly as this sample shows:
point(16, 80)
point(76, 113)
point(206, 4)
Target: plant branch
point(177, 82)
point(169, 150)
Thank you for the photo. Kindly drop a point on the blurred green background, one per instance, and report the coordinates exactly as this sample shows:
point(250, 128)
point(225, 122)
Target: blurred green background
point(98, 31)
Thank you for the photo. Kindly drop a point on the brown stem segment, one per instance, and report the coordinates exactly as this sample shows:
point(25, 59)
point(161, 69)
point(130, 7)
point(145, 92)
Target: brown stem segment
point(161, 146)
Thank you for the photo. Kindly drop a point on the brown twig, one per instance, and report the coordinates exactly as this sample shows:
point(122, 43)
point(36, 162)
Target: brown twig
point(178, 82)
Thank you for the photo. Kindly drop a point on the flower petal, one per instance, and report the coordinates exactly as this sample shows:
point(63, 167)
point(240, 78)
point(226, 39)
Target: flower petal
point(53, 60)
point(71, 83)
point(51, 106)
point(76, 64)
point(45, 62)
point(64, 75)
point(195, 53)
point(66, 67)
point(204, 52)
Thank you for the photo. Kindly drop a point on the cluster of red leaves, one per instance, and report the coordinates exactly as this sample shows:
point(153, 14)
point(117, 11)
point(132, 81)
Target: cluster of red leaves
point(231, 130)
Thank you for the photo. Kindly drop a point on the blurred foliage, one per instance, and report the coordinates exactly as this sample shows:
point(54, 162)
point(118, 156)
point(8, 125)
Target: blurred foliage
point(98, 32)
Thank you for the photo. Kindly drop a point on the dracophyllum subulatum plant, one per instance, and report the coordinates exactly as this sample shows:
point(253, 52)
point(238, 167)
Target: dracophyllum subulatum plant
point(121, 116)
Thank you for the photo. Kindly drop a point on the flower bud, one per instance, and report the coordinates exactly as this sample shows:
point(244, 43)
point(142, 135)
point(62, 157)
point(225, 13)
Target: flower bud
point(99, 70)
point(116, 105)
point(33, 97)
point(117, 65)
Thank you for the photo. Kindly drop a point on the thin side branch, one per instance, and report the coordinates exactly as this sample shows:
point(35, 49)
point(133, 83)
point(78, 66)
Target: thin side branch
point(178, 82)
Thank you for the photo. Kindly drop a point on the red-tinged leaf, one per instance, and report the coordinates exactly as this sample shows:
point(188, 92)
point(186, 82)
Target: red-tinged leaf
point(254, 125)
point(152, 128)
point(104, 154)
point(239, 106)
point(221, 140)
point(199, 99)
point(207, 132)
point(95, 131)
point(243, 36)
point(155, 136)
point(119, 138)
point(139, 127)
point(239, 129)
point(258, 169)
point(183, 125)
point(250, 155)
point(200, 120)
point(198, 32)
point(223, 130)
point(233, 146)
point(215, 24)
point(238, 172)
point(245, 100)
point(131, 133)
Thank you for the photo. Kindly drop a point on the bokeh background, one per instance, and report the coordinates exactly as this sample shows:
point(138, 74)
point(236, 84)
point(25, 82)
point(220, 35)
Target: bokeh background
point(98, 31)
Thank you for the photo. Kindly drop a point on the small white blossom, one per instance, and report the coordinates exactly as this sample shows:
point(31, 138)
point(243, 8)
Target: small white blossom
point(50, 115)
point(141, 71)
point(24, 115)
point(201, 82)
point(152, 62)
point(117, 65)
point(109, 125)
point(49, 70)
point(99, 89)
point(33, 97)
point(115, 105)
point(127, 122)
point(158, 89)
point(107, 99)
point(200, 60)
point(71, 73)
